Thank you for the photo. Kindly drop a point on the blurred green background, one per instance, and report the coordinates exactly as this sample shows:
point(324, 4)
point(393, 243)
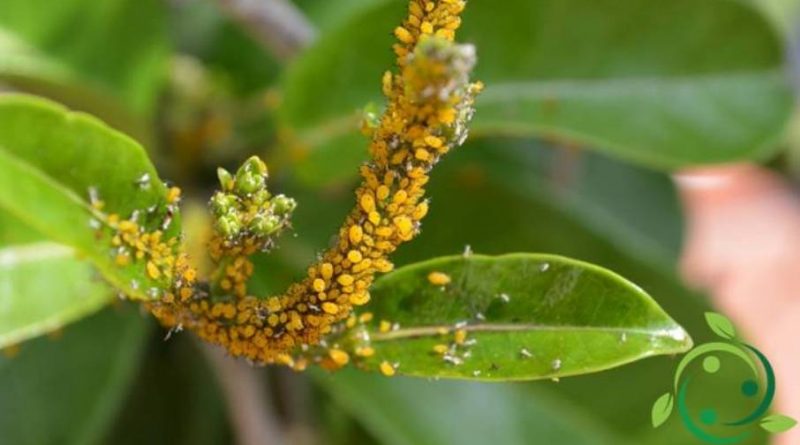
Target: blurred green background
point(589, 104)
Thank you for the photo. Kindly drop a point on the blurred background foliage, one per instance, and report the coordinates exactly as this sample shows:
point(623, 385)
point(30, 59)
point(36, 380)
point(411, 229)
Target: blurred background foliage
point(588, 106)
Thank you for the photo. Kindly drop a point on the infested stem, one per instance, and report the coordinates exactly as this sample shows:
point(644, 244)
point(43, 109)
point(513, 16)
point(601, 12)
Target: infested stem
point(429, 104)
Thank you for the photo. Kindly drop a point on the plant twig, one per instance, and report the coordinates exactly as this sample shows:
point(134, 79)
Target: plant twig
point(251, 414)
point(277, 24)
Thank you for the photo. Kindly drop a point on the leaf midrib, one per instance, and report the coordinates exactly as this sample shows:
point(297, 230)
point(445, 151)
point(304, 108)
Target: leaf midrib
point(505, 90)
point(436, 330)
point(30, 252)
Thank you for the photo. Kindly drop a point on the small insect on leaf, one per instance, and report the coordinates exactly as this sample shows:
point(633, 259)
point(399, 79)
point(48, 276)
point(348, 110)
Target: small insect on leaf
point(777, 423)
point(662, 408)
point(721, 325)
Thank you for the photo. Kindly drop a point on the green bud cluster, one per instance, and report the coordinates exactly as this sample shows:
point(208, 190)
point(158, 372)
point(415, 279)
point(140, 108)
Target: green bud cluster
point(244, 208)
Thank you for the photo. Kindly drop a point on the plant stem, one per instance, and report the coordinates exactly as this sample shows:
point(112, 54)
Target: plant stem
point(252, 417)
point(278, 25)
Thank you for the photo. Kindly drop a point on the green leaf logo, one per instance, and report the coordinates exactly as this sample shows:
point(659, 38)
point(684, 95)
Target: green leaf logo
point(662, 408)
point(777, 423)
point(721, 325)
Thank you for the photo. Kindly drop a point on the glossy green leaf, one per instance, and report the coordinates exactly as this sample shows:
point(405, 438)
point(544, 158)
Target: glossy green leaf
point(50, 159)
point(662, 408)
point(486, 196)
point(117, 47)
point(721, 325)
point(681, 82)
point(63, 391)
point(526, 316)
point(777, 423)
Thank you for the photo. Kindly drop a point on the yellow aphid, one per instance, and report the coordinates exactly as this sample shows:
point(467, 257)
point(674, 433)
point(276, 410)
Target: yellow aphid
point(173, 195)
point(127, 226)
point(422, 154)
point(387, 369)
point(330, 308)
point(414, 9)
point(385, 326)
point(319, 285)
point(122, 259)
point(433, 141)
point(383, 265)
point(404, 225)
point(359, 298)
point(285, 359)
point(355, 233)
point(460, 336)
point(400, 197)
point(365, 351)
point(403, 35)
point(382, 192)
point(367, 202)
point(152, 270)
point(339, 357)
point(374, 217)
point(354, 256)
point(345, 279)
point(366, 317)
point(326, 270)
point(387, 83)
point(420, 211)
point(440, 349)
point(426, 28)
point(438, 278)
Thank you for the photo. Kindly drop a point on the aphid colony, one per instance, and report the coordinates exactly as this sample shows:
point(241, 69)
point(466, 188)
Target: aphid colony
point(429, 105)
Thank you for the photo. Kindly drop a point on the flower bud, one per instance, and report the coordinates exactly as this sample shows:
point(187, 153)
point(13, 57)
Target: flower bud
point(282, 204)
point(225, 179)
point(265, 225)
point(229, 225)
point(222, 203)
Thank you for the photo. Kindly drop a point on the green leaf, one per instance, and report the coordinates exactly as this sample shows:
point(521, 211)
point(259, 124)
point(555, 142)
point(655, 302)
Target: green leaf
point(662, 408)
point(118, 48)
point(49, 161)
point(45, 285)
point(777, 423)
point(526, 316)
point(26, 68)
point(175, 399)
point(663, 95)
point(405, 411)
point(501, 195)
point(721, 325)
point(44, 288)
point(66, 390)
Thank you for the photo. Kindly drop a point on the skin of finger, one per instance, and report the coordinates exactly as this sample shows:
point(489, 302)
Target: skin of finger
point(743, 248)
